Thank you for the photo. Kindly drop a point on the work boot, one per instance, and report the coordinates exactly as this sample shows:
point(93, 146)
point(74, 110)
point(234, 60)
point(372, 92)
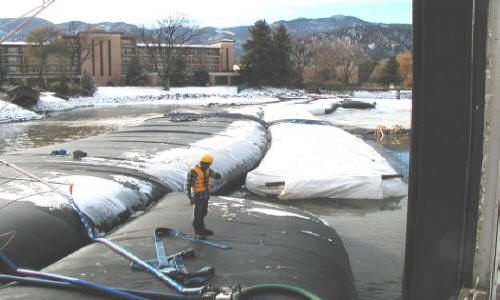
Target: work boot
point(200, 234)
point(207, 232)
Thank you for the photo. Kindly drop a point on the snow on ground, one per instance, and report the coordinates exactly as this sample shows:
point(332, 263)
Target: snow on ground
point(128, 91)
point(48, 102)
point(183, 95)
point(405, 94)
point(196, 96)
point(10, 113)
point(388, 112)
point(213, 95)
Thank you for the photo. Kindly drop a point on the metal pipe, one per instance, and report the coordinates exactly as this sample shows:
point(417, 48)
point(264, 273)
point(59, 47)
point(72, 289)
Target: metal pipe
point(154, 271)
point(66, 285)
point(82, 283)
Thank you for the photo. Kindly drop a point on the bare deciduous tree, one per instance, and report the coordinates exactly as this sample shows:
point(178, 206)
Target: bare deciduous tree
point(326, 58)
point(302, 56)
point(339, 55)
point(79, 47)
point(163, 44)
point(47, 46)
point(348, 56)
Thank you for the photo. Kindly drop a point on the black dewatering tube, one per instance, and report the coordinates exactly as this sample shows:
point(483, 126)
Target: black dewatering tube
point(81, 284)
point(64, 282)
point(92, 236)
point(69, 286)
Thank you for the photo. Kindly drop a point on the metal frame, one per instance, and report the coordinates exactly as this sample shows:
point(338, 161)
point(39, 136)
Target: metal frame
point(444, 246)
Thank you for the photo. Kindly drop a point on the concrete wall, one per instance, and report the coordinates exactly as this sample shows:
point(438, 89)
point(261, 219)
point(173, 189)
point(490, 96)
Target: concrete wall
point(226, 55)
point(105, 53)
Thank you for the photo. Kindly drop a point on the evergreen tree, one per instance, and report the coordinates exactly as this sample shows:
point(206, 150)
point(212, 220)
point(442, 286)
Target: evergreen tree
point(178, 75)
point(87, 85)
point(257, 60)
point(200, 78)
point(366, 68)
point(134, 73)
point(63, 87)
point(390, 73)
point(282, 63)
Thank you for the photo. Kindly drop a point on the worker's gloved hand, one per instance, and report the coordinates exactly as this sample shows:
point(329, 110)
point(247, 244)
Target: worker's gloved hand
point(191, 199)
point(217, 176)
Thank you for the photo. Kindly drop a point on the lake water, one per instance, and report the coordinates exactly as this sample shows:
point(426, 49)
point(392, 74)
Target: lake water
point(373, 234)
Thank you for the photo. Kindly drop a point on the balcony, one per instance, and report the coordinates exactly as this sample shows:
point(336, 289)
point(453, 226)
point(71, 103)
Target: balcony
point(35, 69)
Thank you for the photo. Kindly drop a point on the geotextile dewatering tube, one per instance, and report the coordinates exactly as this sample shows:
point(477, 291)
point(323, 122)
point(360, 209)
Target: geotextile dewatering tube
point(116, 248)
point(274, 287)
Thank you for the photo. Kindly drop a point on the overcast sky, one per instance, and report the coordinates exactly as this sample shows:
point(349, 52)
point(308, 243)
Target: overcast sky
point(218, 13)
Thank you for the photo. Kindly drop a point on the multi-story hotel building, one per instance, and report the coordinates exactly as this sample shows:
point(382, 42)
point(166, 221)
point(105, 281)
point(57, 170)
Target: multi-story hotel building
point(109, 54)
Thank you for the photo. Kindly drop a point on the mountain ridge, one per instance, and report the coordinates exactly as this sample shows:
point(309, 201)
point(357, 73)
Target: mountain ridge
point(378, 40)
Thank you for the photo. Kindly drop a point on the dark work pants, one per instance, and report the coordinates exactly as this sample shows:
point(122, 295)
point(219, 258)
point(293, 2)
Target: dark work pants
point(200, 211)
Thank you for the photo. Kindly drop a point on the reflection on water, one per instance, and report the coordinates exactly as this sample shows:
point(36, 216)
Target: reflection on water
point(77, 124)
point(42, 134)
point(374, 236)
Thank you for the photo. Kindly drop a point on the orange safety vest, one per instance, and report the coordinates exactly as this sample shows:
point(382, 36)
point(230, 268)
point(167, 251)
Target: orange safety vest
point(201, 183)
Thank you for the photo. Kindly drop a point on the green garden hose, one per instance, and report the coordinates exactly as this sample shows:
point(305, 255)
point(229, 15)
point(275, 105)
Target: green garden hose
point(252, 290)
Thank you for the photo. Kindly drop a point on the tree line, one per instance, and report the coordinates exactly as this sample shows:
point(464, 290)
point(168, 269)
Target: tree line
point(272, 57)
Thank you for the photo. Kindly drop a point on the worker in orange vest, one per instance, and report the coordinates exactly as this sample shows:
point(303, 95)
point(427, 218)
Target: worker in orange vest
point(198, 192)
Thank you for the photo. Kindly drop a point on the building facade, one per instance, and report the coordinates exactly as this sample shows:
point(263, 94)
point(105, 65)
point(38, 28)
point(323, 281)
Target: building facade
point(105, 56)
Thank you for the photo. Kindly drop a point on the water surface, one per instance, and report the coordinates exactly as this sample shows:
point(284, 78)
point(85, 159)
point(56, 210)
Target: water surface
point(373, 233)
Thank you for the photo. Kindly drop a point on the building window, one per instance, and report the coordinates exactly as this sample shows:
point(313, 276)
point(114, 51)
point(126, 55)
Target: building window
point(212, 60)
point(128, 50)
point(13, 60)
point(13, 69)
point(13, 50)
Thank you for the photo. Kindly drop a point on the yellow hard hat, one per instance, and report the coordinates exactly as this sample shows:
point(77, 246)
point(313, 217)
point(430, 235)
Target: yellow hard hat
point(207, 158)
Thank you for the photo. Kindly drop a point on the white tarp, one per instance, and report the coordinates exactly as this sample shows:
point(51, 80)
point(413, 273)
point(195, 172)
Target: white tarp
point(387, 112)
point(320, 161)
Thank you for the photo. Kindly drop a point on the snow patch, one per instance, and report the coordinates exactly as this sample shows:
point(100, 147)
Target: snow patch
point(102, 200)
point(10, 113)
point(275, 212)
